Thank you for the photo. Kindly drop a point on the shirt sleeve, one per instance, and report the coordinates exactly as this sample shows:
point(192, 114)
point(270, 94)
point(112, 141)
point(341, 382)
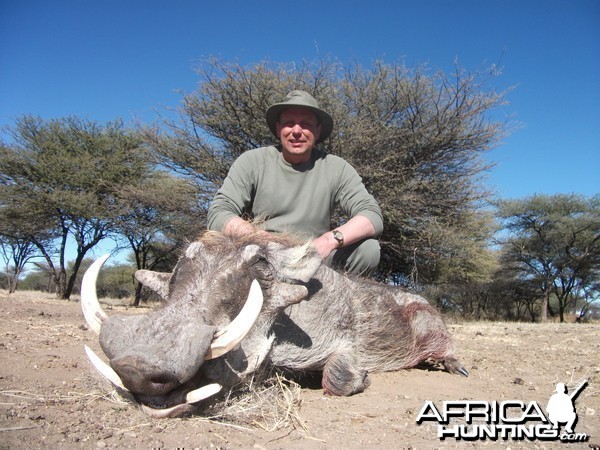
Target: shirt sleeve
point(235, 195)
point(354, 199)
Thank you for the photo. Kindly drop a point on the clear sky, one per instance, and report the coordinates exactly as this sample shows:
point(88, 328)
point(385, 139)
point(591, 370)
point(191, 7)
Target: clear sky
point(109, 59)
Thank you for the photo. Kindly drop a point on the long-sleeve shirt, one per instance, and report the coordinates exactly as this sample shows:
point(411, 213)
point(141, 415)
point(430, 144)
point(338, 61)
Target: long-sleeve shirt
point(292, 198)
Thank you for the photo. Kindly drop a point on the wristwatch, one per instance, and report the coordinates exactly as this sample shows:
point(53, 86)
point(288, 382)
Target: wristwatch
point(339, 237)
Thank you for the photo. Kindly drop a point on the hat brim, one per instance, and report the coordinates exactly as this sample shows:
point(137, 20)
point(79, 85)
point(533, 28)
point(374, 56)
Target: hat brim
point(325, 120)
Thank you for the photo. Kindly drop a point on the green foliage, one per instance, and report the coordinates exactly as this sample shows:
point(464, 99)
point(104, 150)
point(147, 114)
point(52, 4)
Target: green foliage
point(38, 279)
point(114, 281)
point(60, 179)
point(553, 242)
point(16, 253)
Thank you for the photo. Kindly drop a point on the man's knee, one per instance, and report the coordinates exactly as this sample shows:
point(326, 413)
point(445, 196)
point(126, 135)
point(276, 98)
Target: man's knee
point(361, 258)
point(367, 256)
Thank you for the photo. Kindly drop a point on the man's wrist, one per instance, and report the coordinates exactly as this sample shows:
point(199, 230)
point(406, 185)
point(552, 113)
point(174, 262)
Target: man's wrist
point(339, 238)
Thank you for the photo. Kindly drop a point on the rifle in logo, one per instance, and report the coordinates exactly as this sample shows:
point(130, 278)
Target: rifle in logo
point(578, 389)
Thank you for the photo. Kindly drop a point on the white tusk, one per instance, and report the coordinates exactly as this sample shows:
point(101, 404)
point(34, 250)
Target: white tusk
point(192, 397)
point(105, 370)
point(230, 336)
point(92, 311)
point(173, 411)
point(204, 392)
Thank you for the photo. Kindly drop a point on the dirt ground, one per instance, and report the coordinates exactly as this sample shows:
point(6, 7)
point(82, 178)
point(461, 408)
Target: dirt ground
point(50, 397)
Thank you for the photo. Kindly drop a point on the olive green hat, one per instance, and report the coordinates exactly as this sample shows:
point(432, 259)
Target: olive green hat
point(300, 99)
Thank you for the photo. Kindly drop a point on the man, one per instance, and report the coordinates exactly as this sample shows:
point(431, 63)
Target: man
point(295, 186)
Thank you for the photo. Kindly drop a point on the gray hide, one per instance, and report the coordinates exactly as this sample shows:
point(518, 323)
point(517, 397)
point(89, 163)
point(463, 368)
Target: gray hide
point(313, 319)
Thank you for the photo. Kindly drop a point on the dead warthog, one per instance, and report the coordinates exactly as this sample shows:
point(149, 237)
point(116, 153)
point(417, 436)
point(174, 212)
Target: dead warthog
point(235, 305)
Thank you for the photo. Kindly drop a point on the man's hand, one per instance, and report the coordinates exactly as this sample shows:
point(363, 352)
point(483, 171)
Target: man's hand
point(325, 244)
point(240, 227)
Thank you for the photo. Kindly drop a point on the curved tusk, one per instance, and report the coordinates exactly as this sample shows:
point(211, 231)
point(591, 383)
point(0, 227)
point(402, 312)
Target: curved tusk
point(204, 392)
point(230, 336)
point(173, 411)
point(93, 313)
point(105, 370)
point(192, 397)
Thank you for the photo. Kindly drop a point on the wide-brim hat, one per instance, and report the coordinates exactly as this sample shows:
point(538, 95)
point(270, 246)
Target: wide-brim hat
point(300, 99)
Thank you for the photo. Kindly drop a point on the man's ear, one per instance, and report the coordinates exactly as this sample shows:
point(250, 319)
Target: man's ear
point(278, 129)
point(318, 133)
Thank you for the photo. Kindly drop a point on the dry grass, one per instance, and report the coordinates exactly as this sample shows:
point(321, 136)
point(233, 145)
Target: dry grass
point(270, 404)
point(267, 401)
point(27, 398)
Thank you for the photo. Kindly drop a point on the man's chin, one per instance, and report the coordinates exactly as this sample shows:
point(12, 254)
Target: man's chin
point(296, 155)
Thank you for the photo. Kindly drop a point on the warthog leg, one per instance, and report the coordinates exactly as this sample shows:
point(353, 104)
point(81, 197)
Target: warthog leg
point(342, 377)
point(453, 365)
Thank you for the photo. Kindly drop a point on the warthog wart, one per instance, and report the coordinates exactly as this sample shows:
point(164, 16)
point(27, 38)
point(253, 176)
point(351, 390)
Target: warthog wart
point(236, 305)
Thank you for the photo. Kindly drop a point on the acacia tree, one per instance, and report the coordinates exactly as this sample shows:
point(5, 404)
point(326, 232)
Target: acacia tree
point(59, 180)
point(415, 138)
point(161, 214)
point(553, 242)
point(16, 253)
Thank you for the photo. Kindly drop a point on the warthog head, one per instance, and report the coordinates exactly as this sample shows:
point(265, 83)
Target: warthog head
point(188, 349)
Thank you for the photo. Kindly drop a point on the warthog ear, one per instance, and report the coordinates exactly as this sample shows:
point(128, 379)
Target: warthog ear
point(157, 281)
point(295, 263)
point(250, 252)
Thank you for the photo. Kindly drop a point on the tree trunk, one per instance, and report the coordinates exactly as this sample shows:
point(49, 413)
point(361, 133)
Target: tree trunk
point(138, 293)
point(13, 283)
point(62, 284)
point(544, 307)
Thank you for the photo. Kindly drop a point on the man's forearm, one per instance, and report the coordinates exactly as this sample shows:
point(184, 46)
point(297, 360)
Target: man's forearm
point(356, 229)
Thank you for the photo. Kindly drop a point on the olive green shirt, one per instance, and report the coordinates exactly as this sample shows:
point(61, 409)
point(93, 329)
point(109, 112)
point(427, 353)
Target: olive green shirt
point(292, 198)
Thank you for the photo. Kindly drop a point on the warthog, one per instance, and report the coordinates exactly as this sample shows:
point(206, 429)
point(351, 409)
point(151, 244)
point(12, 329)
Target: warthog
point(234, 305)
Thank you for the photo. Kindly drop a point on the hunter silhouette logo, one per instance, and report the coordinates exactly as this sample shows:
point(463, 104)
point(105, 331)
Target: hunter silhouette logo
point(561, 408)
point(510, 419)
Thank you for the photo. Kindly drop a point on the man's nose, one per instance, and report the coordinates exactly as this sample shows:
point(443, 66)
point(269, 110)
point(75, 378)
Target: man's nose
point(297, 129)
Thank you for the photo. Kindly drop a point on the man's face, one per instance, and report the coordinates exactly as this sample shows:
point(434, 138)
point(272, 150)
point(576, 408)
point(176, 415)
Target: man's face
point(298, 130)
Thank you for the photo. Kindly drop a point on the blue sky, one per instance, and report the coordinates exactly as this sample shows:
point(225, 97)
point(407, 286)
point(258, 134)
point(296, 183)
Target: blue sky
point(109, 59)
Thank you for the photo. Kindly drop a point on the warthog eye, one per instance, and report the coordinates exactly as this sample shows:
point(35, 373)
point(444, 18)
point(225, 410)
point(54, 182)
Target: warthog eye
point(261, 269)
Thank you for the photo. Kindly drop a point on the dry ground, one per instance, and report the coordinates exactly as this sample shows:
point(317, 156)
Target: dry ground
point(50, 397)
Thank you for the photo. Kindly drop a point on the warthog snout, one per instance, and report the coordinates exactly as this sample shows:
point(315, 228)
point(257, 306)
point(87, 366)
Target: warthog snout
point(140, 375)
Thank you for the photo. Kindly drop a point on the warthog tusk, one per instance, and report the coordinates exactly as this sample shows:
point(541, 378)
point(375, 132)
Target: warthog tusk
point(192, 397)
point(92, 311)
point(161, 413)
point(204, 392)
point(230, 336)
point(105, 370)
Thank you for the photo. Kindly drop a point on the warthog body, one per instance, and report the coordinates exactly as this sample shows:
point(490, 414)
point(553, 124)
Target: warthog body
point(312, 319)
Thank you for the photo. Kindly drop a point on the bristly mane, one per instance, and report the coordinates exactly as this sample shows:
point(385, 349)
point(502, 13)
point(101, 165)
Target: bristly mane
point(259, 238)
point(219, 241)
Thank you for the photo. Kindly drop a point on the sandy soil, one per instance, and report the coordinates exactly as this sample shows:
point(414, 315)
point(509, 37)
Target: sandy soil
point(50, 397)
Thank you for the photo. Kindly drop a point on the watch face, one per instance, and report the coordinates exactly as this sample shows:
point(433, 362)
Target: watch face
point(338, 237)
